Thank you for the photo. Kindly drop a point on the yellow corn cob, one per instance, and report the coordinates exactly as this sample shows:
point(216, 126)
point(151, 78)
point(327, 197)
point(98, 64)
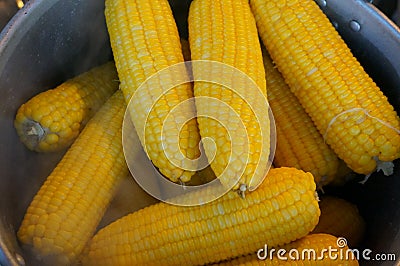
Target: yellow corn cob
point(342, 219)
point(282, 209)
point(225, 31)
point(345, 104)
point(51, 120)
point(313, 242)
point(65, 212)
point(299, 144)
point(144, 39)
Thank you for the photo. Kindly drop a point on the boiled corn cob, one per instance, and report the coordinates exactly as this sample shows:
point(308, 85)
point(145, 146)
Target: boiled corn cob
point(65, 212)
point(347, 107)
point(144, 40)
point(342, 219)
point(51, 120)
point(312, 242)
point(225, 32)
point(299, 144)
point(282, 209)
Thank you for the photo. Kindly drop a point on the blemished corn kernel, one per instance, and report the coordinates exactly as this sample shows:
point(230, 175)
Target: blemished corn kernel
point(229, 226)
point(299, 144)
point(65, 212)
point(51, 120)
point(313, 242)
point(341, 218)
point(340, 97)
point(145, 40)
point(225, 31)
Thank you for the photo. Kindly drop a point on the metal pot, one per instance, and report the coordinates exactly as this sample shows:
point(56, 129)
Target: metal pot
point(50, 41)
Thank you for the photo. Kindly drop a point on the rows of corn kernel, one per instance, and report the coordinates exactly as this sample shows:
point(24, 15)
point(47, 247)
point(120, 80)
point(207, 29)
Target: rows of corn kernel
point(331, 120)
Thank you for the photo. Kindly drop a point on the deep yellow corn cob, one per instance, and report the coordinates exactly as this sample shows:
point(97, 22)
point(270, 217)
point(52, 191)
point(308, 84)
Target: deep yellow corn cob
point(342, 219)
point(347, 107)
point(312, 242)
point(299, 144)
point(144, 39)
point(65, 212)
point(225, 31)
point(282, 209)
point(51, 120)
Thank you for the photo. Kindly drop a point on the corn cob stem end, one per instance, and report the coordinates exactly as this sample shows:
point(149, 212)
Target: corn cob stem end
point(242, 189)
point(386, 168)
point(32, 133)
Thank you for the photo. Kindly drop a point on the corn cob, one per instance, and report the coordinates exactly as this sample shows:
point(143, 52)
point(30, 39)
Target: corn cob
point(345, 104)
point(342, 219)
point(51, 120)
point(313, 242)
point(144, 40)
point(65, 212)
point(225, 32)
point(299, 144)
point(282, 209)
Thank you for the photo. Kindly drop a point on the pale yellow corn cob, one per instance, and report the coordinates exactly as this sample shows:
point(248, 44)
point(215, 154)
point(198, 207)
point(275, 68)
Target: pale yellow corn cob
point(283, 208)
point(342, 219)
point(65, 212)
point(347, 107)
point(144, 40)
point(225, 31)
point(299, 144)
point(312, 242)
point(51, 120)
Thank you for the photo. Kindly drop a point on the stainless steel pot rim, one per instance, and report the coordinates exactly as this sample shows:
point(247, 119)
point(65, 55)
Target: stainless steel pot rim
point(12, 33)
